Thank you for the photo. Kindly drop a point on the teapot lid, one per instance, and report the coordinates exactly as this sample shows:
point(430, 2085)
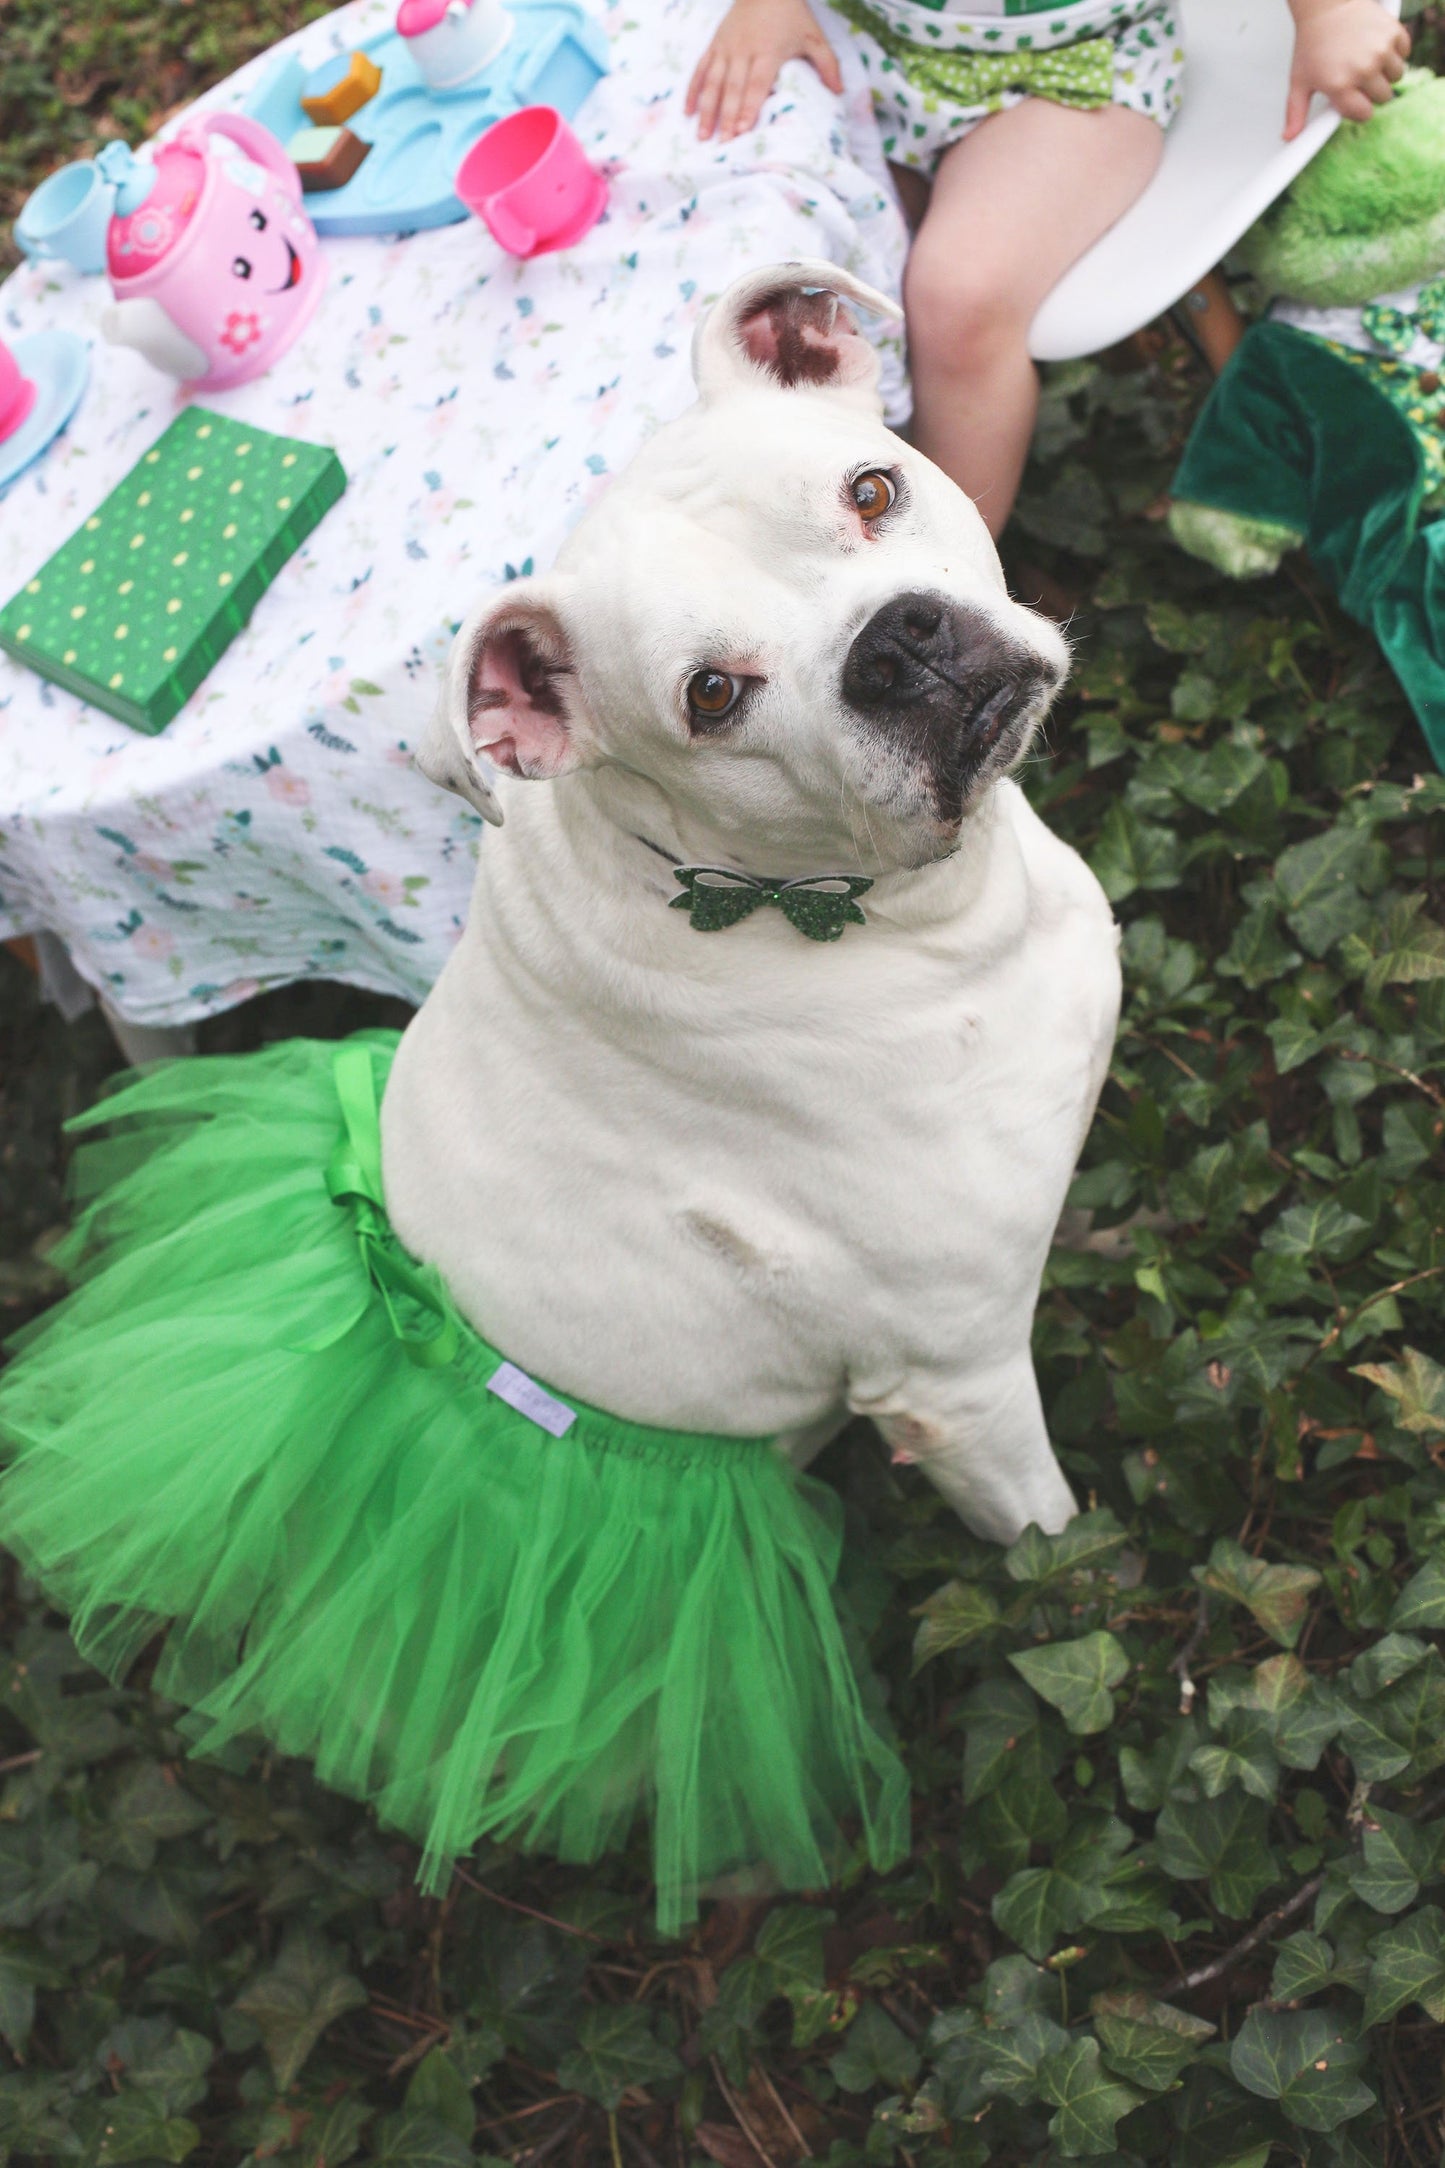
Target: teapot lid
point(415, 16)
point(145, 227)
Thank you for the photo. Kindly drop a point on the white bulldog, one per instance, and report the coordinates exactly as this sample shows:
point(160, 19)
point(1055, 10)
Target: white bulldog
point(759, 1178)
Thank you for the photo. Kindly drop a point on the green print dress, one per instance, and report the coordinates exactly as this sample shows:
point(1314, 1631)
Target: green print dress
point(938, 69)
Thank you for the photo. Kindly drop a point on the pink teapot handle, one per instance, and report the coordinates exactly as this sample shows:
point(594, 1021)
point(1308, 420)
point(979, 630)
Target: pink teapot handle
point(257, 142)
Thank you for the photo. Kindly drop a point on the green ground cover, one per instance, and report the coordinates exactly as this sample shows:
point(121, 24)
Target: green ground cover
point(1177, 1891)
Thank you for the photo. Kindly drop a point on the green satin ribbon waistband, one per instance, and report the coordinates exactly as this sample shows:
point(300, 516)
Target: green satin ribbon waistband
point(353, 1178)
point(1080, 74)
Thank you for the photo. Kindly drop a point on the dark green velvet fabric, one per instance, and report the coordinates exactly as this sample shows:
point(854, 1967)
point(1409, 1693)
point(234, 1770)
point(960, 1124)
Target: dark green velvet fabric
point(1290, 433)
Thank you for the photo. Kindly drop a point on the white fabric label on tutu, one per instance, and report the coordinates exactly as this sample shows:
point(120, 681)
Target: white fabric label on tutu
point(530, 1399)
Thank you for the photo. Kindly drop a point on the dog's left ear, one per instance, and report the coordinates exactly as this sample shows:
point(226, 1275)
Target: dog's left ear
point(510, 699)
point(788, 326)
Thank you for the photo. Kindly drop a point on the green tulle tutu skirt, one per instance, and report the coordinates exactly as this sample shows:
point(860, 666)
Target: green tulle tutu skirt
point(258, 1427)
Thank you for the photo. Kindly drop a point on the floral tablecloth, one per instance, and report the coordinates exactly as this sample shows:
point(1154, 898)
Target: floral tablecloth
point(277, 830)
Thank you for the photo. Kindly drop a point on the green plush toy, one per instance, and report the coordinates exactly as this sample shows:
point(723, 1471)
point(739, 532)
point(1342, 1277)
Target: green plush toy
point(1326, 428)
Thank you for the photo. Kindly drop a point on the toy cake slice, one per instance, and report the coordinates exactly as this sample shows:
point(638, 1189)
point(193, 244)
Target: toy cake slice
point(134, 610)
point(340, 89)
point(325, 157)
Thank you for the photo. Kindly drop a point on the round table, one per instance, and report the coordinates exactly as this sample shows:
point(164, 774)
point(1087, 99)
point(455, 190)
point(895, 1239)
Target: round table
point(276, 830)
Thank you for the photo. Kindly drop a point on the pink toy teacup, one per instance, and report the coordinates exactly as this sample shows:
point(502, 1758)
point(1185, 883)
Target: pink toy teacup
point(529, 179)
point(214, 264)
point(17, 393)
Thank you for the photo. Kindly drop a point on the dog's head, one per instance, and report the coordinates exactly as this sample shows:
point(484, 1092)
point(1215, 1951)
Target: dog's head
point(789, 622)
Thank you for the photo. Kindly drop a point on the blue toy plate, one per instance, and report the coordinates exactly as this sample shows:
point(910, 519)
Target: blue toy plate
point(58, 364)
point(419, 136)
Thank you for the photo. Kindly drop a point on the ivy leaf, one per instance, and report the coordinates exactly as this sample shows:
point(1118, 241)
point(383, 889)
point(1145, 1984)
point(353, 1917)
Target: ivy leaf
point(1221, 1842)
point(439, 2090)
point(1421, 1602)
point(306, 1990)
point(1018, 1814)
point(1245, 1756)
point(1277, 1596)
point(41, 1871)
point(1407, 1964)
point(1133, 853)
point(1088, 2100)
point(415, 2139)
point(1218, 2125)
point(1014, 1989)
point(1307, 2060)
point(959, 1612)
point(1040, 1560)
point(155, 2057)
point(1319, 883)
point(1294, 1041)
point(1299, 1714)
point(22, 1970)
point(1037, 1904)
point(1149, 1779)
point(1321, 1229)
point(1305, 1963)
point(1399, 949)
point(332, 2135)
point(1015, 2053)
point(1394, 1711)
point(790, 1944)
point(148, 1805)
point(1418, 1386)
point(1005, 1733)
point(137, 2128)
point(616, 2048)
point(1258, 950)
point(875, 2052)
point(983, 2058)
point(1147, 2043)
point(1397, 1856)
point(1074, 1677)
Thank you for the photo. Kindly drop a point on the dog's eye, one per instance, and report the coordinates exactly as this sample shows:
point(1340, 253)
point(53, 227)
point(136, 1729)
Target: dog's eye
point(873, 493)
point(712, 693)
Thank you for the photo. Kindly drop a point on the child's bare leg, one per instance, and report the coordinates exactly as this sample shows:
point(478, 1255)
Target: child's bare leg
point(1013, 206)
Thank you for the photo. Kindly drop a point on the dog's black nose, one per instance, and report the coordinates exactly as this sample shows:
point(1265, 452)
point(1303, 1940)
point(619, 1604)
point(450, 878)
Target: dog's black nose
point(947, 686)
point(922, 650)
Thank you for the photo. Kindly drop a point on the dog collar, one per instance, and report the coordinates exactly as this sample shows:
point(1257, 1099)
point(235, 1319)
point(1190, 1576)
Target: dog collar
point(820, 905)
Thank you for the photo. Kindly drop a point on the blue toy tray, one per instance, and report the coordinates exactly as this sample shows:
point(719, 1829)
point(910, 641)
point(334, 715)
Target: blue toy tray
point(419, 136)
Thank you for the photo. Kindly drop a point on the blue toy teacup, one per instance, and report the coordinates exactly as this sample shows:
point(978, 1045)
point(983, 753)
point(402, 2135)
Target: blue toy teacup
point(68, 216)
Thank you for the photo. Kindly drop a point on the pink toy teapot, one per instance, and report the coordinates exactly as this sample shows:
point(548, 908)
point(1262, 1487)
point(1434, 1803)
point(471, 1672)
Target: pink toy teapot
point(214, 265)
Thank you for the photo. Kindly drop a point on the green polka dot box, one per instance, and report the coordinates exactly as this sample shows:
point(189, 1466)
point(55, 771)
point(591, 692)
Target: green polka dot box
point(140, 603)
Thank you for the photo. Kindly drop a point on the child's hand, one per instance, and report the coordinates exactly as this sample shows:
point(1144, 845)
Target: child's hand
point(741, 65)
point(1351, 50)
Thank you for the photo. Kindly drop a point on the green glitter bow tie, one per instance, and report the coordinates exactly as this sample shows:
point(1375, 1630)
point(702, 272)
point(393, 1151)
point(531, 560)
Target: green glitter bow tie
point(819, 905)
point(1397, 329)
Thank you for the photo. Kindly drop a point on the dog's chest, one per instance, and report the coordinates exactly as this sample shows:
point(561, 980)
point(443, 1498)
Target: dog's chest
point(708, 1218)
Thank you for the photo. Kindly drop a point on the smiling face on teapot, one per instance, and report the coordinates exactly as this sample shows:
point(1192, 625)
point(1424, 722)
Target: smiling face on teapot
point(262, 261)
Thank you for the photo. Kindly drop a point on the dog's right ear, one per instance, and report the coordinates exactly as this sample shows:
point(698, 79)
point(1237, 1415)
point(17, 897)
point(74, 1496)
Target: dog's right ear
point(510, 699)
point(787, 325)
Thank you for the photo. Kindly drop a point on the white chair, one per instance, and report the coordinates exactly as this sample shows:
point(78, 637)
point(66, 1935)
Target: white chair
point(1224, 163)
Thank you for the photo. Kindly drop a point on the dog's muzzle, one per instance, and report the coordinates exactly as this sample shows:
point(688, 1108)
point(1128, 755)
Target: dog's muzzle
point(948, 686)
